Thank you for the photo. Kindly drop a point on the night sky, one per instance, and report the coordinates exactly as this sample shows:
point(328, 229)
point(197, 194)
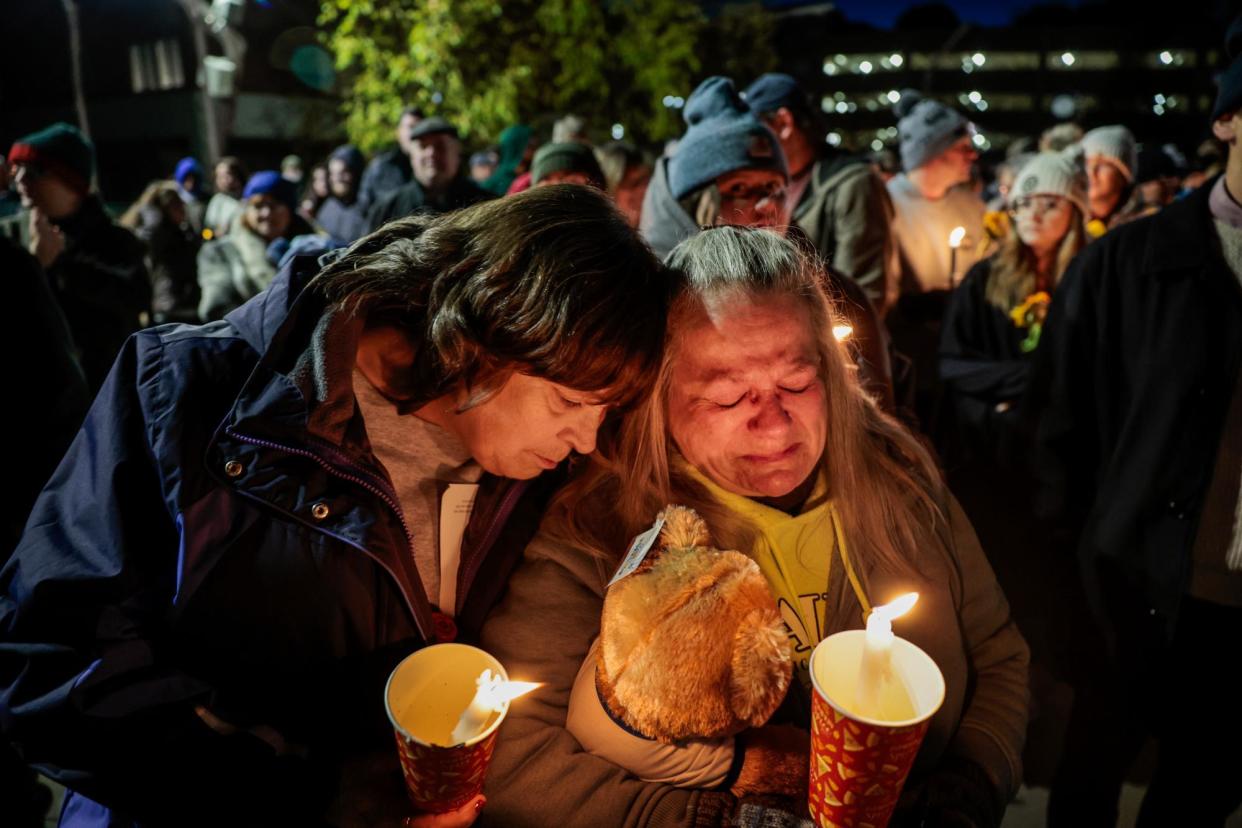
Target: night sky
point(883, 13)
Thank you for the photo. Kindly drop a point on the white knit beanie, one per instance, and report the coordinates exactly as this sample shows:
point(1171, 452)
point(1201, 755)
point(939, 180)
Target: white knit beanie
point(1053, 173)
point(1117, 144)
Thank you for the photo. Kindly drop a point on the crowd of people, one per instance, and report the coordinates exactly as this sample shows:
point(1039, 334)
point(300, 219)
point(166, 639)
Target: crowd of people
point(1012, 387)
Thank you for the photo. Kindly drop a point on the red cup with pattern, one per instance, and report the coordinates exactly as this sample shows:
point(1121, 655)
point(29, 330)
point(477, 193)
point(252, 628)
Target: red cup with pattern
point(424, 697)
point(859, 764)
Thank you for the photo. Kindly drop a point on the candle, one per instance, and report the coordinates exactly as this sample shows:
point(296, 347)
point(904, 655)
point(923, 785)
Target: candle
point(955, 241)
point(842, 331)
point(877, 694)
point(489, 698)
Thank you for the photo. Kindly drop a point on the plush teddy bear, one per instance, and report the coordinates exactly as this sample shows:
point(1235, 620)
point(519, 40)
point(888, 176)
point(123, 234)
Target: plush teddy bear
point(692, 646)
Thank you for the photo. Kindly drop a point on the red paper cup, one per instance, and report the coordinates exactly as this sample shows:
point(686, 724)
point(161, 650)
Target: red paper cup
point(858, 764)
point(424, 697)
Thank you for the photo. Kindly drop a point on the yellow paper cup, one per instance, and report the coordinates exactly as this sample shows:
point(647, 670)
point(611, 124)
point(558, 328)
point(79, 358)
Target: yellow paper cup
point(859, 764)
point(424, 697)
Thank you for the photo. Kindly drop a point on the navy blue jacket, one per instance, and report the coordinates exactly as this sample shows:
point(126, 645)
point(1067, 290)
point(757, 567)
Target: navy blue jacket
point(220, 534)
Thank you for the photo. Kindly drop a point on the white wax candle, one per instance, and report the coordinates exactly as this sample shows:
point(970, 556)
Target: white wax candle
point(482, 706)
point(876, 668)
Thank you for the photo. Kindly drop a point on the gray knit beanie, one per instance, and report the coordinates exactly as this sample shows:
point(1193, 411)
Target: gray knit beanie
point(926, 128)
point(723, 135)
point(1117, 144)
point(1053, 173)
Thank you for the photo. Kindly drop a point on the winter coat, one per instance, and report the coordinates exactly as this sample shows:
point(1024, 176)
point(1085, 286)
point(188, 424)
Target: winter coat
point(172, 259)
point(344, 222)
point(546, 623)
point(981, 360)
point(386, 172)
point(848, 215)
point(412, 198)
point(1137, 363)
point(52, 387)
point(236, 267)
point(220, 534)
point(101, 284)
point(664, 223)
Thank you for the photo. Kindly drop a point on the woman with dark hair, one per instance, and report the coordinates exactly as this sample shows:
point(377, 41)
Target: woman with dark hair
point(759, 423)
point(245, 538)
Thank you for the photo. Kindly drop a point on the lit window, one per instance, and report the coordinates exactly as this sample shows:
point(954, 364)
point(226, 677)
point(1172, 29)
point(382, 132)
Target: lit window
point(155, 66)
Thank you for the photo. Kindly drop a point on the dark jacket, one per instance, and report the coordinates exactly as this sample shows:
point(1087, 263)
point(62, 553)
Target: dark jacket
point(46, 377)
point(412, 198)
point(344, 222)
point(386, 172)
point(172, 259)
point(101, 283)
point(220, 534)
point(1136, 366)
point(981, 359)
point(848, 215)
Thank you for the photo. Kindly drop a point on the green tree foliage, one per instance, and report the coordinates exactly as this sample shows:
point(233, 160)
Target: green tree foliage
point(485, 64)
point(738, 43)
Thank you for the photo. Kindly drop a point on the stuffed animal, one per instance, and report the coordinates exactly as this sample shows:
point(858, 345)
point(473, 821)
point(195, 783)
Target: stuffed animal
point(692, 646)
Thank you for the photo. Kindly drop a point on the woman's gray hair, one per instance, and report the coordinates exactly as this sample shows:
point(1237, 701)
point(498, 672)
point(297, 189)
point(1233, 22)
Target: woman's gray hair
point(725, 260)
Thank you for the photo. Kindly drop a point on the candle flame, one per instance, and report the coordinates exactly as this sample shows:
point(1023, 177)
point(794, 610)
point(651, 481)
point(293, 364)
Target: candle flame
point(896, 608)
point(495, 692)
point(955, 238)
point(842, 332)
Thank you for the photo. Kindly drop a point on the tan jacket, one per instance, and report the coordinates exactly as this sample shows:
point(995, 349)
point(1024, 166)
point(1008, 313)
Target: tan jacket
point(545, 626)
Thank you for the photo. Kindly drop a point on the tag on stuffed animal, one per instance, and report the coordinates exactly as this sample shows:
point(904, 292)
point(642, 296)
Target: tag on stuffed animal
point(639, 547)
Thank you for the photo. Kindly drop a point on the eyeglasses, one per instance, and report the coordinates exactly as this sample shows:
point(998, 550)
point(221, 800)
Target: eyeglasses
point(740, 195)
point(1037, 205)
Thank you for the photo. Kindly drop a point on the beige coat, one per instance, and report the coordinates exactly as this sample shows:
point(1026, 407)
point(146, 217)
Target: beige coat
point(545, 626)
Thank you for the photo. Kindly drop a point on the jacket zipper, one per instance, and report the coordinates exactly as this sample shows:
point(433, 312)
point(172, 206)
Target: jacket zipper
point(429, 632)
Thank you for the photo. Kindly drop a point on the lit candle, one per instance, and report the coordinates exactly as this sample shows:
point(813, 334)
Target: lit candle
point(489, 698)
point(955, 241)
point(842, 331)
point(876, 667)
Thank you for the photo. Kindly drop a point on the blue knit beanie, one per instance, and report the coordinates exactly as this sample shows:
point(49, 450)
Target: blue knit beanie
point(269, 182)
point(926, 128)
point(188, 166)
point(723, 135)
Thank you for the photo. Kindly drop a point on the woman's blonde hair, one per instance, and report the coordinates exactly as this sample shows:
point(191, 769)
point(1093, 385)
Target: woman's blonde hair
point(1014, 276)
point(882, 480)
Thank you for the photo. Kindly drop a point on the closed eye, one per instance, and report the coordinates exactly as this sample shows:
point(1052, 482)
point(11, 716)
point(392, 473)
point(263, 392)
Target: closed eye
point(568, 403)
point(733, 404)
point(801, 390)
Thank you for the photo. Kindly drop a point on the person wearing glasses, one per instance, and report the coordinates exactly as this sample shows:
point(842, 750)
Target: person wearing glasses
point(727, 169)
point(994, 317)
point(991, 331)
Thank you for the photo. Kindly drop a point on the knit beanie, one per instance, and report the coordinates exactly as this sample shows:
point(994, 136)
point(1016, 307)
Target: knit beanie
point(270, 182)
point(567, 157)
point(1053, 173)
point(351, 155)
point(926, 128)
point(773, 90)
point(722, 135)
point(188, 166)
point(1229, 83)
point(61, 150)
point(1117, 144)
